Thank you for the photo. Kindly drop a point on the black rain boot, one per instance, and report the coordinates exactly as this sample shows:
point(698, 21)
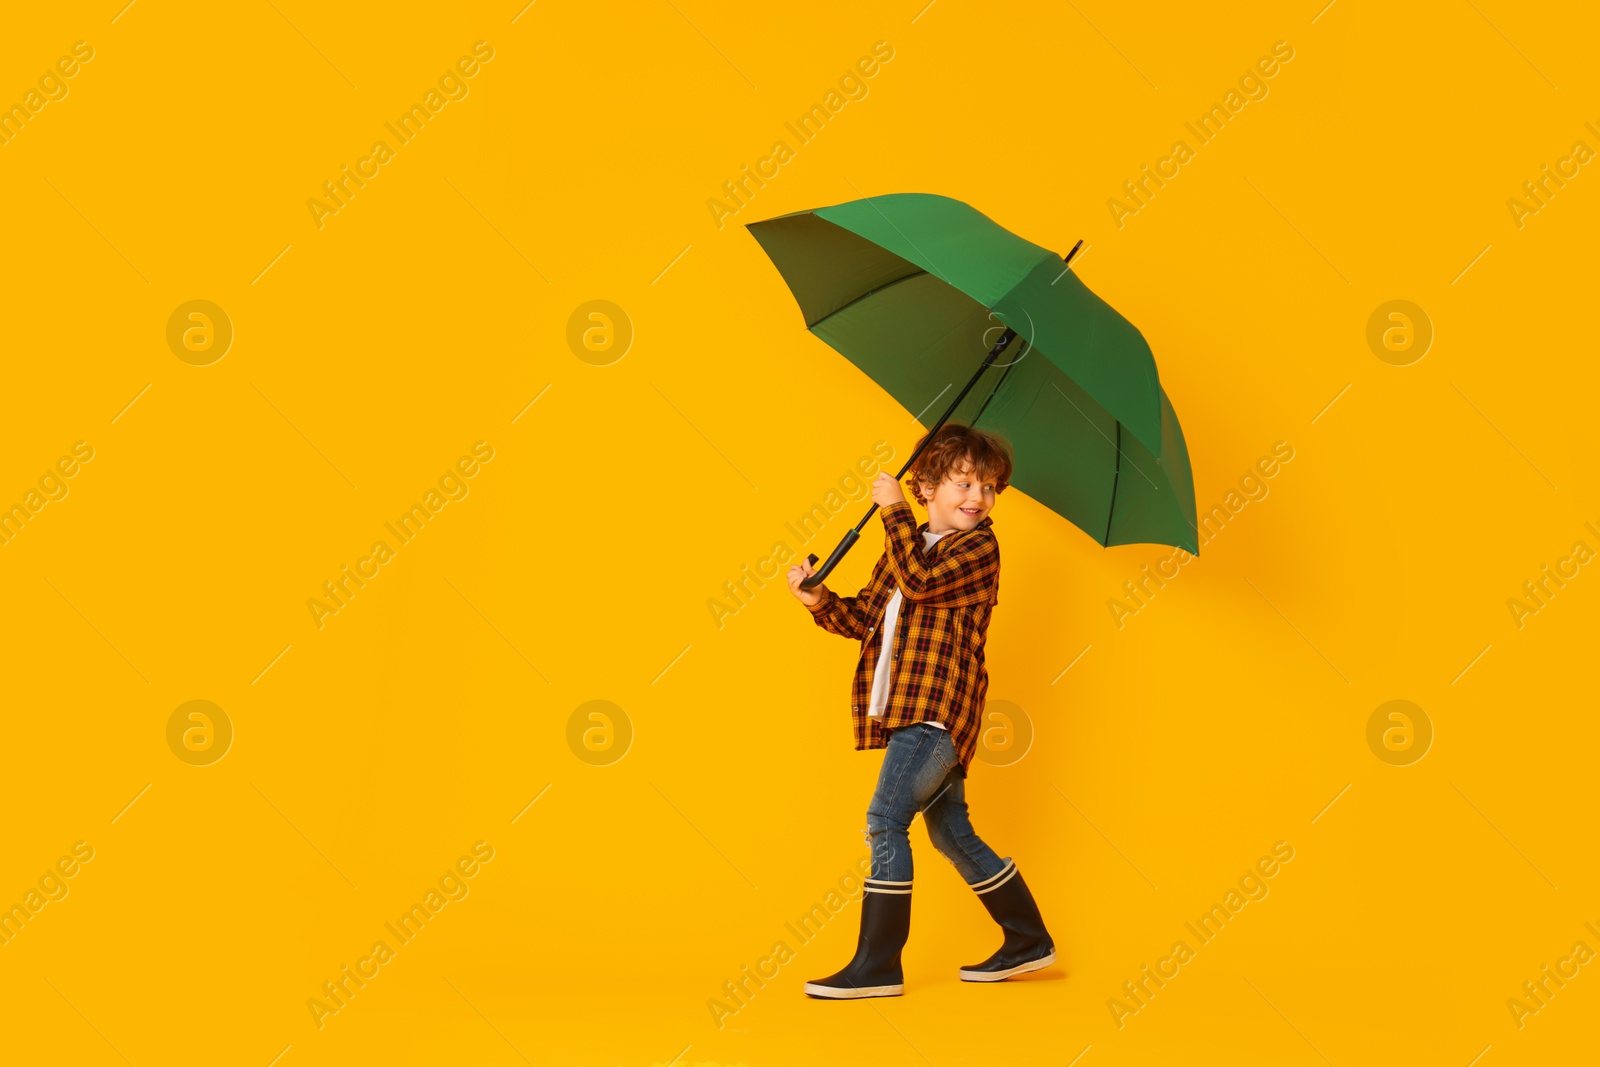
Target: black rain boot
point(1028, 946)
point(875, 971)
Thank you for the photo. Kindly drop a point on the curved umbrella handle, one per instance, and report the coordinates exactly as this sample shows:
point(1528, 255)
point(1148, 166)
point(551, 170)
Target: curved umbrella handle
point(850, 537)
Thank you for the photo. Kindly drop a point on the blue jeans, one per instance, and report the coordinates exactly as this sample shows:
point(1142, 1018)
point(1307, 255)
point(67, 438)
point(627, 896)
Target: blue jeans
point(921, 772)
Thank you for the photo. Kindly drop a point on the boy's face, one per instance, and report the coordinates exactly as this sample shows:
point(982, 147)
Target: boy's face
point(960, 502)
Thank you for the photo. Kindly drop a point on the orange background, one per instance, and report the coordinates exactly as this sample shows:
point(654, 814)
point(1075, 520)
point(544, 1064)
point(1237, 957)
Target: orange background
point(432, 711)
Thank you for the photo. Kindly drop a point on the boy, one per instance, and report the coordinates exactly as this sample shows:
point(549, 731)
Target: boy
point(918, 694)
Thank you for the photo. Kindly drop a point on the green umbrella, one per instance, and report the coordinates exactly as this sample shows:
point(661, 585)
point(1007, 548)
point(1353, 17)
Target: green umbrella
point(909, 286)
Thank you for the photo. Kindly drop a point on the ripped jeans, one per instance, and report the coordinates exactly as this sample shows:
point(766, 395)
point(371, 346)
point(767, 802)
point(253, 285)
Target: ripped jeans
point(921, 772)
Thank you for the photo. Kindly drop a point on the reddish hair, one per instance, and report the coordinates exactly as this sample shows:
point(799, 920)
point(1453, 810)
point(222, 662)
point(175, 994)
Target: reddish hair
point(955, 446)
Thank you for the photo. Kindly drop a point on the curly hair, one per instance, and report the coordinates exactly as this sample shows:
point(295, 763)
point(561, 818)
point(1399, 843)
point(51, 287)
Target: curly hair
point(953, 447)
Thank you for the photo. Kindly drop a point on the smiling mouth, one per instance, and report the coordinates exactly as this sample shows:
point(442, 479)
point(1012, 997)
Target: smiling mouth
point(969, 511)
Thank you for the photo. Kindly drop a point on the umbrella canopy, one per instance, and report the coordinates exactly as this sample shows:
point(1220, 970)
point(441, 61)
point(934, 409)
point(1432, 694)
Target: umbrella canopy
point(906, 286)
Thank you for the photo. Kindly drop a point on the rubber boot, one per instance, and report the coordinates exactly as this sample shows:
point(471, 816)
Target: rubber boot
point(875, 970)
point(1028, 945)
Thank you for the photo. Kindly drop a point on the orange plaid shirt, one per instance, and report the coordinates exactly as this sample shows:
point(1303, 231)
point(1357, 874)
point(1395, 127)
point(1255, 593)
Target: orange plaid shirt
point(947, 592)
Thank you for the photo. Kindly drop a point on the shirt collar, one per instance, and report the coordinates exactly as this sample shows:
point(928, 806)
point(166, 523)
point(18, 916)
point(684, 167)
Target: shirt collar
point(987, 521)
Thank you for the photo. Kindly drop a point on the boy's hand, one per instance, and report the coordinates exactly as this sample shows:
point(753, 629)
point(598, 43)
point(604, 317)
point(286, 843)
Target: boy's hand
point(886, 490)
point(799, 573)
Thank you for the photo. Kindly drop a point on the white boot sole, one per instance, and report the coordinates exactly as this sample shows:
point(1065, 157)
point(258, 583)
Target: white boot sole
point(1000, 976)
point(847, 993)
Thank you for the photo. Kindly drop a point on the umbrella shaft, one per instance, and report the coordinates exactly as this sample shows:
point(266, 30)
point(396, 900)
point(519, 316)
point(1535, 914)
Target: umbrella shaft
point(854, 533)
point(988, 361)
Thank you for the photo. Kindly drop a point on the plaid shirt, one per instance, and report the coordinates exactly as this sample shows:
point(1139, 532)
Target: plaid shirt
point(947, 592)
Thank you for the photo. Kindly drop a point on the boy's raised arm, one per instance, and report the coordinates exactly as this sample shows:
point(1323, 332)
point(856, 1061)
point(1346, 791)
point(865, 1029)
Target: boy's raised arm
point(844, 615)
point(965, 574)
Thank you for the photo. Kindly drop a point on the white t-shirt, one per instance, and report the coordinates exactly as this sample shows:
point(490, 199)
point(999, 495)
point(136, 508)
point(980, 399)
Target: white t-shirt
point(880, 676)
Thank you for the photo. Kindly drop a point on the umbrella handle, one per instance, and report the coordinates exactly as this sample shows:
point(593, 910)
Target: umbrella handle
point(850, 537)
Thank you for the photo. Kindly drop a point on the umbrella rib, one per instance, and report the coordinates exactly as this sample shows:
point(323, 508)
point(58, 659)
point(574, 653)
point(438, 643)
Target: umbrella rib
point(874, 205)
point(993, 391)
point(1116, 477)
point(863, 296)
point(1102, 433)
